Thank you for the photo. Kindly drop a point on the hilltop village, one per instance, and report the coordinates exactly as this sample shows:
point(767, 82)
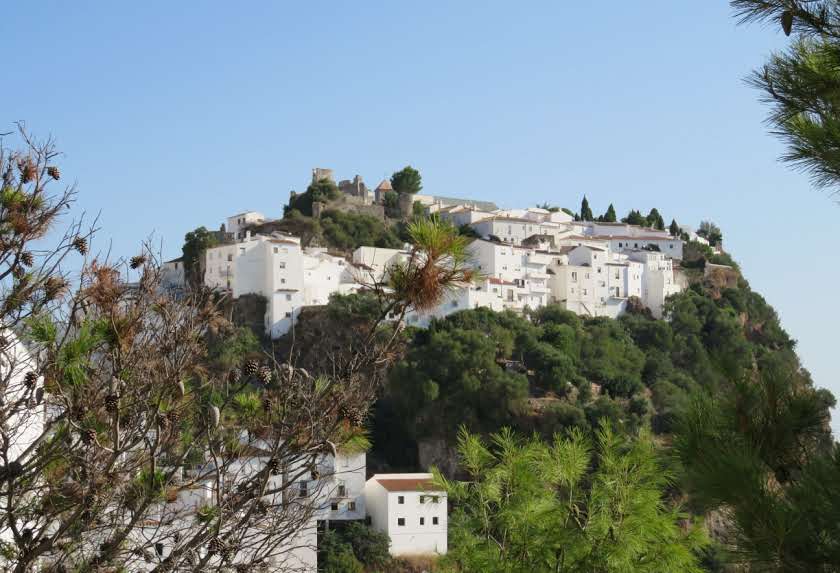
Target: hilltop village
point(524, 258)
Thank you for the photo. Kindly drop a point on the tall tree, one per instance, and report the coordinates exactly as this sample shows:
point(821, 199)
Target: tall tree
point(655, 220)
point(610, 216)
point(801, 83)
point(674, 229)
point(710, 232)
point(634, 217)
point(585, 210)
point(196, 242)
point(407, 180)
point(530, 506)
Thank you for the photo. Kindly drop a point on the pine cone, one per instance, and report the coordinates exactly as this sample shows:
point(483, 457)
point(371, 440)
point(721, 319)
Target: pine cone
point(264, 375)
point(273, 466)
point(54, 287)
point(88, 436)
point(30, 379)
point(355, 416)
point(215, 545)
point(27, 259)
point(251, 368)
point(112, 403)
point(233, 375)
point(137, 261)
point(18, 272)
point(81, 245)
point(53, 172)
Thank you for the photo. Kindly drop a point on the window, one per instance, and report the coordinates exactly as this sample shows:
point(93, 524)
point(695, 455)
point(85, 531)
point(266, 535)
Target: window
point(401, 521)
point(574, 276)
point(288, 297)
point(454, 303)
point(583, 292)
point(230, 256)
point(434, 521)
point(422, 521)
point(303, 489)
point(342, 490)
point(599, 270)
point(334, 506)
point(422, 499)
point(434, 499)
point(282, 265)
point(282, 281)
point(288, 315)
point(351, 506)
point(400, 499)
point(275, 250)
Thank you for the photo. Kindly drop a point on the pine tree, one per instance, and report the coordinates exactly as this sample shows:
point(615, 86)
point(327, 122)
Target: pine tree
point(655, 220)
point(610, 216)
point(535, 506)
point(801, 83)
point(634, 217)
point(674, 229)
point(585, 211)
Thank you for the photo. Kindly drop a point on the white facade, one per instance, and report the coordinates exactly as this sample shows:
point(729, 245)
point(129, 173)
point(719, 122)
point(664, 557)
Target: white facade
point(236, 224)
point(287, 275)
point(410, 510)
point(172, 273)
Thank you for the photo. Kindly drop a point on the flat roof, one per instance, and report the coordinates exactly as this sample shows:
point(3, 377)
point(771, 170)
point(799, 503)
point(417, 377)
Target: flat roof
point(408, 484)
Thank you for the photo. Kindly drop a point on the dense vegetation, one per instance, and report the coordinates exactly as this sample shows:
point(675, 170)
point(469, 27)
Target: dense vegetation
point(531, 505)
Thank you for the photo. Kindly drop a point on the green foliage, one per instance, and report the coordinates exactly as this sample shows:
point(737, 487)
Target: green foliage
point(407, 180)
point(229, 351)
point(349, 231)
point(674, 229)
point(336, 556)
point(41, 329)
point(634, 217)
point(761, 448)
point(710, 232)
point(801, 83)
point(609, 216)
point(534, 506)
point(321, 191)
point(655, 220)
point(369, 545)
point(195, 243)
point(585, 210)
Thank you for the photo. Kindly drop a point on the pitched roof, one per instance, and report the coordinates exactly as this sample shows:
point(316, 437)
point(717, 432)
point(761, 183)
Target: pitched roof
point(385, 185)
point(408, 484)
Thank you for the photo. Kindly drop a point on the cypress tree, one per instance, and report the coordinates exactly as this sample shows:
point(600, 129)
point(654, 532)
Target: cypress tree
point(610, 216)
point(674, 229)
point(585, 211)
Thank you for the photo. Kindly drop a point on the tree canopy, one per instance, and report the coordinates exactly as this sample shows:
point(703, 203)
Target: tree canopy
point(529, 505)
point(407, 180)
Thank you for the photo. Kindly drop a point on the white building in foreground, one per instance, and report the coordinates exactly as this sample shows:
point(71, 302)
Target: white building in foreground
point(411, 510)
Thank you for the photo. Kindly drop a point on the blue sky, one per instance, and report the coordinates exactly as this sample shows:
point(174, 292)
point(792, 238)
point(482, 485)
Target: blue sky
point(176, 114)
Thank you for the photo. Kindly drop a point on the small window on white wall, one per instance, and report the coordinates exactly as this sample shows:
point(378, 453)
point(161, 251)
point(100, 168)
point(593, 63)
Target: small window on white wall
point(282, 265)
point(401, 521)
point(288, 297)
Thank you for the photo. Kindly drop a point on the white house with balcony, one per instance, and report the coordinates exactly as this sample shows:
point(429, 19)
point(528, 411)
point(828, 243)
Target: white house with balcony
point(411, 510)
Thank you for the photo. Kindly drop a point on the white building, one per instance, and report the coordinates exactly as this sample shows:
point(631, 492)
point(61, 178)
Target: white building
point(411, 510)
point(658, 280)
point(236, 224)
point(515, 230)
point(278, 268)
